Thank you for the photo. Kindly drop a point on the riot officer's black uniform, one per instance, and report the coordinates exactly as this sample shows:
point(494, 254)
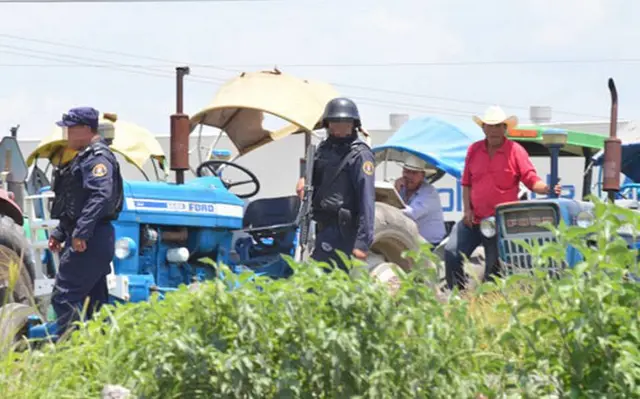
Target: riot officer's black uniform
point(344, 190)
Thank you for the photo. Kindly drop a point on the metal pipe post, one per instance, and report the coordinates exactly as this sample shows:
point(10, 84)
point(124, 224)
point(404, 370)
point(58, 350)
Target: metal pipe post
point(612, 150)
point(179, 140)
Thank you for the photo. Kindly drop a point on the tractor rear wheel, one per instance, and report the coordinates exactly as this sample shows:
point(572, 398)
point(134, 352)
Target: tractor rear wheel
point(17, 296)
point(15, 253)
point(394, 233)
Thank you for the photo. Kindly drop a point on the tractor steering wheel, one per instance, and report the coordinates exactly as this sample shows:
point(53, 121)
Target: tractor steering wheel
point(213, 167)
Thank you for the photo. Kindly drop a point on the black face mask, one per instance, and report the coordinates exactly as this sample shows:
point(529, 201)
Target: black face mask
point(342, 140)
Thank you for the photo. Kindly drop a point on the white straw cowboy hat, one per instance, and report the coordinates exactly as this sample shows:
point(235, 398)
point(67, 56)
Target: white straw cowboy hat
point(494, 115)
point(414, 163)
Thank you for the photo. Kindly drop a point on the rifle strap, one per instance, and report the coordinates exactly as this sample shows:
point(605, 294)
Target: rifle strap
point(325, 185)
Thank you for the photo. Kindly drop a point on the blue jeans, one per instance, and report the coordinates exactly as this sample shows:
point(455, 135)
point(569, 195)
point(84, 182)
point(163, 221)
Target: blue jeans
point(465, 240)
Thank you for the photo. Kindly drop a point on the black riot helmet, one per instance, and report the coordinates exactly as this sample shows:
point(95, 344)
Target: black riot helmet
point(341, 109)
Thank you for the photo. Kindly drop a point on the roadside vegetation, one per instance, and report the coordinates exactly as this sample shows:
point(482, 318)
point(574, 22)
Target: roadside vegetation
point(328, 335)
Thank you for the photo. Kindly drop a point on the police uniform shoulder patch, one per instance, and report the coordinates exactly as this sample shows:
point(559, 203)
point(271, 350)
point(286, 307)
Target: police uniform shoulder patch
point(368, 168)
point(99, 170)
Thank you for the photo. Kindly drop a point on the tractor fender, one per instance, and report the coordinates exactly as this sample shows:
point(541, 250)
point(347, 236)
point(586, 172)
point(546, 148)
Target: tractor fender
point(10, 208)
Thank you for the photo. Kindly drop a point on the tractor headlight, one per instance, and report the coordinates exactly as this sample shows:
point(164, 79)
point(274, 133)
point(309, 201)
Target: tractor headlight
point(125, 247)
point(488, 227)
point(584, 219)
point(178, 255)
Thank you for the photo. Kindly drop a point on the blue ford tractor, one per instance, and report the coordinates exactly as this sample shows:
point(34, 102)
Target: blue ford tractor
point(522, 220)
point(177, 233)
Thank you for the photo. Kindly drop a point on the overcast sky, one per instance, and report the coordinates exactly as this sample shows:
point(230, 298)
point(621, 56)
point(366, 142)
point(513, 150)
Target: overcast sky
point(217, 39)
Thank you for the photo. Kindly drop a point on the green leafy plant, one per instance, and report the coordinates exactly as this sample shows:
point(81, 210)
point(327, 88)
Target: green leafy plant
point(333, 335)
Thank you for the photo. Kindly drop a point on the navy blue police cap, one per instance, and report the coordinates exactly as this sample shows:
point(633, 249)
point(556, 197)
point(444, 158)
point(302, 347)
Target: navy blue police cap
point(80, 116)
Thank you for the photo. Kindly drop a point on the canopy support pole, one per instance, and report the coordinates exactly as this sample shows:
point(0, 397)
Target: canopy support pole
point(304, 160)
point(386, 161)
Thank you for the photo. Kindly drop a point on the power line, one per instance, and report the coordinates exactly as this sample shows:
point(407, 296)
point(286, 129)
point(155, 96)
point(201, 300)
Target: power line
point(206, 79)
point(21, 51)
point(385, 65)
point(233, 67)
point(396, 92)
point(197, 78)
point(363, 100)
point(121, 53)
point(131, 1)
point(449, 63)
point(162, 74)
point(82, 65)
point(153, 71)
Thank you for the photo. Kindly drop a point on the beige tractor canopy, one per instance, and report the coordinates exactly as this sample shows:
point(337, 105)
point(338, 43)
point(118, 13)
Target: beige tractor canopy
point(136, 144)
point(238, 107)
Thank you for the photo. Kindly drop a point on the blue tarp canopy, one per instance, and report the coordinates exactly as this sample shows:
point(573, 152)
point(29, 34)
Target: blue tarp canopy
point(630, 138)
point(443, 145)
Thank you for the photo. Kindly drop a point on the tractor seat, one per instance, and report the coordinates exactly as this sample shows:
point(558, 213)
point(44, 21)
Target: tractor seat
point(272, 224)
point(271, 214)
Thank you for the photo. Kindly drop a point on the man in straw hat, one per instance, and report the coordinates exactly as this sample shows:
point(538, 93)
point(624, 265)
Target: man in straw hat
point(422, 199)
point(493, 170)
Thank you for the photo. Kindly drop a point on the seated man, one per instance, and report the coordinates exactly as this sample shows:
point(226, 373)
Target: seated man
point(422, 199)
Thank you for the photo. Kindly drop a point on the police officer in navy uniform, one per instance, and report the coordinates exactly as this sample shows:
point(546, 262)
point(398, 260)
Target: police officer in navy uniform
point(91, 197)
point(343, 183)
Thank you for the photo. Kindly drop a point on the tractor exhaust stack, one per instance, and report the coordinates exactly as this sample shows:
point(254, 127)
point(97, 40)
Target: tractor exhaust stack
point(14, 131)
point(612, 150)
point(179, 141)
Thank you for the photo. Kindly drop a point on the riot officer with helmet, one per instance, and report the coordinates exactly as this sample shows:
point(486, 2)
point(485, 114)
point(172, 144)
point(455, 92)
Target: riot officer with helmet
point(343, 204)
point(89, 195)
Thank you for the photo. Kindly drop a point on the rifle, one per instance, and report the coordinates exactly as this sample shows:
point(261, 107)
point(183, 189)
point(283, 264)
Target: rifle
point(305, 212)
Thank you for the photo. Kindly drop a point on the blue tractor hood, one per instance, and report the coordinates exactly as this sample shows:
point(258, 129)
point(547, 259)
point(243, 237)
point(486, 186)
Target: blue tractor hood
point(630, 163)
point(201, 202)
point(441, 144)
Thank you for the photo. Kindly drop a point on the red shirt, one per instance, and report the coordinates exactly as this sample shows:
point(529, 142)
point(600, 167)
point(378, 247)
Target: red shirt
point(495, 180)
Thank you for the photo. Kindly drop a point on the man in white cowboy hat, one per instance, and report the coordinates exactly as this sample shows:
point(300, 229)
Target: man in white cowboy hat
point(493, 170)
point(422, 199)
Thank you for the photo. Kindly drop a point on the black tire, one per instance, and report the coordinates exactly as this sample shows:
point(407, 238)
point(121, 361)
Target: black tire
point(394, 233)
point(15, 250)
